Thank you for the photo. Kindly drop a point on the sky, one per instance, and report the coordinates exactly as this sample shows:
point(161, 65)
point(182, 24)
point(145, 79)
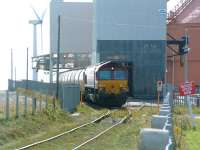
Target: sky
point(17, 34)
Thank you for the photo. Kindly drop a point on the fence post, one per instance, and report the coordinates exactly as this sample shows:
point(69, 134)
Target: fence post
point(40, 105)
point(197, 102)
point(46, 105)
point(7, 105)
point(25, 105)
point(17, 105)
point(33, 106)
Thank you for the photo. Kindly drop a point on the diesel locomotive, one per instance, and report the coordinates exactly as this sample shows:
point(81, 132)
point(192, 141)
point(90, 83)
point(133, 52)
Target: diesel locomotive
point(105, 84)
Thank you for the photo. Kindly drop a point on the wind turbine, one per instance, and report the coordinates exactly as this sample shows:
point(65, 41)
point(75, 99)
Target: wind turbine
point(38, 21)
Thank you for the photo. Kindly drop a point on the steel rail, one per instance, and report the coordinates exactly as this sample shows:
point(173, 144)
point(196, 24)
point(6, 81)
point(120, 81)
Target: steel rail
point(98, 135)
point(103, 132)
point(69, 131)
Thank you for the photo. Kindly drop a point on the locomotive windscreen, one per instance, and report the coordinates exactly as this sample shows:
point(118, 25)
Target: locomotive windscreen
point(113, 75)
point(120, 75)
point(105, 75)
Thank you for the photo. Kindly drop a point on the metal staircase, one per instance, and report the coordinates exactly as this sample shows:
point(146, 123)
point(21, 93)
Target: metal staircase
point(178, 9)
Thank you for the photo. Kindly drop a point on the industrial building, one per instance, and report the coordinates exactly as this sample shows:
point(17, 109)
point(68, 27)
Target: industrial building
point(76, 26)
point(133, 31)
point(75, 35)
point(185, 18)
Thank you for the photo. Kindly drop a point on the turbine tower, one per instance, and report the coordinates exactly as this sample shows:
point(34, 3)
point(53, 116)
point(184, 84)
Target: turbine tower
point(36, 22)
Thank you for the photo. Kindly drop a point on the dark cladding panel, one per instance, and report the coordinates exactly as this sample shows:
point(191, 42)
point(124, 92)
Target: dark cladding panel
point(148, 58)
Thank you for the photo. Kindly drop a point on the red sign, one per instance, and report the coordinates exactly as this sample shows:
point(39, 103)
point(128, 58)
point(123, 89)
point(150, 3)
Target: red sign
point(187, 88)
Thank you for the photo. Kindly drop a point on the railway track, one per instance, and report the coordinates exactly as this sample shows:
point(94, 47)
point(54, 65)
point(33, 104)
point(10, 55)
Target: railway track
point(64, 133)
point(89, 131)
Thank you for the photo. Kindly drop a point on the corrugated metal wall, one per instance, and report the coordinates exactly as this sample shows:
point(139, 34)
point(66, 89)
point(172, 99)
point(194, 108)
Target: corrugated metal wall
point(135, 31)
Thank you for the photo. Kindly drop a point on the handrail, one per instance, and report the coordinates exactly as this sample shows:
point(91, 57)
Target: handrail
point(178, 9)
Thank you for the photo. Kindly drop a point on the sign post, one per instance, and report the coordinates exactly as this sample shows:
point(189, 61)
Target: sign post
point(159, 90)
point(186, 90)
point(187, 98)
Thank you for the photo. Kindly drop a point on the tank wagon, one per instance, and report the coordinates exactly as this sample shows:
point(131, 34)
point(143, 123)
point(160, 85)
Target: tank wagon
point(105, 84)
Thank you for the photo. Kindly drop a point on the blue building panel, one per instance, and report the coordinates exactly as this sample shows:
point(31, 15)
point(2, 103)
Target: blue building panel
point(134, 31)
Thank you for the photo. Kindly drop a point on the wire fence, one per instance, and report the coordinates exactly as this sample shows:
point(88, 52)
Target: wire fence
point(21, 101)
point(14, 105)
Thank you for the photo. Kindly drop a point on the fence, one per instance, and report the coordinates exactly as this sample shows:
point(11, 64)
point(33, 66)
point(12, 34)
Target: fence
point(14, 105)
point(36, 97)
point(42, 87)
point(181, 101)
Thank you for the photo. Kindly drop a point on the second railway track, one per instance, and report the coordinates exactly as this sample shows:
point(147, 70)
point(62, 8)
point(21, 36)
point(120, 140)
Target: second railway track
point(81, 135)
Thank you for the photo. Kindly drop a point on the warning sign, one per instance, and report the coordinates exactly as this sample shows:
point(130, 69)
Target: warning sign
point(159, 86)
point(187, 88)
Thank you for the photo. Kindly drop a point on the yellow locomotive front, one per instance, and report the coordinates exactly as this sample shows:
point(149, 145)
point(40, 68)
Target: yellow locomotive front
point(112, 85)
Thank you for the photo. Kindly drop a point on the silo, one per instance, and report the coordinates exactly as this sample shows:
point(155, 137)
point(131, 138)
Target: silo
point(135, 31)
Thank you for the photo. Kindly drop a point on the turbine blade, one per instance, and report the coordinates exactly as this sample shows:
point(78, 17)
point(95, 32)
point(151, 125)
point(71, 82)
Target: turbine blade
point(43, 14)
point(35, 12)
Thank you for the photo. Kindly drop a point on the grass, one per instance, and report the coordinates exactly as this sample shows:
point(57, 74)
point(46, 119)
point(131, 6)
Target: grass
point(16, 133)
point(186, 137)
point(125, 136)
point(19, 132)
point(193, 136)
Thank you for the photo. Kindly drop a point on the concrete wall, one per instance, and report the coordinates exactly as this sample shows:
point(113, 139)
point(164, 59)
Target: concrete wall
point(135, 31)
point(76, 26)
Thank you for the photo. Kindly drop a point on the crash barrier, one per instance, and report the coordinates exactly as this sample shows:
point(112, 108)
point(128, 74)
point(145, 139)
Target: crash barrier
point(160, 135)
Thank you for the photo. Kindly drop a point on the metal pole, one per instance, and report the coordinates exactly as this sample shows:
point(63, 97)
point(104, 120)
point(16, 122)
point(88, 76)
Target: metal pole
point(7, 105)
point(187, 98)
point(173, 72)
point(15, 77)
point(27, 70)
point(25, 102)
point(34, 104)
point(34, 50)
point(17, 105)
point(40, 105)
point(46, 105)
point(158, 102)
point(25, 105)
point(11, 69)
point(51, 68)
point(58, 62)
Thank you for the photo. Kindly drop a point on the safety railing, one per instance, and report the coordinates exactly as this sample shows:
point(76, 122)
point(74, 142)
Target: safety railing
point(178, 9)
point(181, 101)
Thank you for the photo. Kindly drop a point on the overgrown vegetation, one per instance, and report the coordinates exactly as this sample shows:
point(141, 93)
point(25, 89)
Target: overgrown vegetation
point(125, 136)
point(25, 130)
point(186, 137)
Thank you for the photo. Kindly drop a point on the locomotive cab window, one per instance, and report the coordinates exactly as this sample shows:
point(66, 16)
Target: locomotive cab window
point(105, 75)
point(120, 75)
